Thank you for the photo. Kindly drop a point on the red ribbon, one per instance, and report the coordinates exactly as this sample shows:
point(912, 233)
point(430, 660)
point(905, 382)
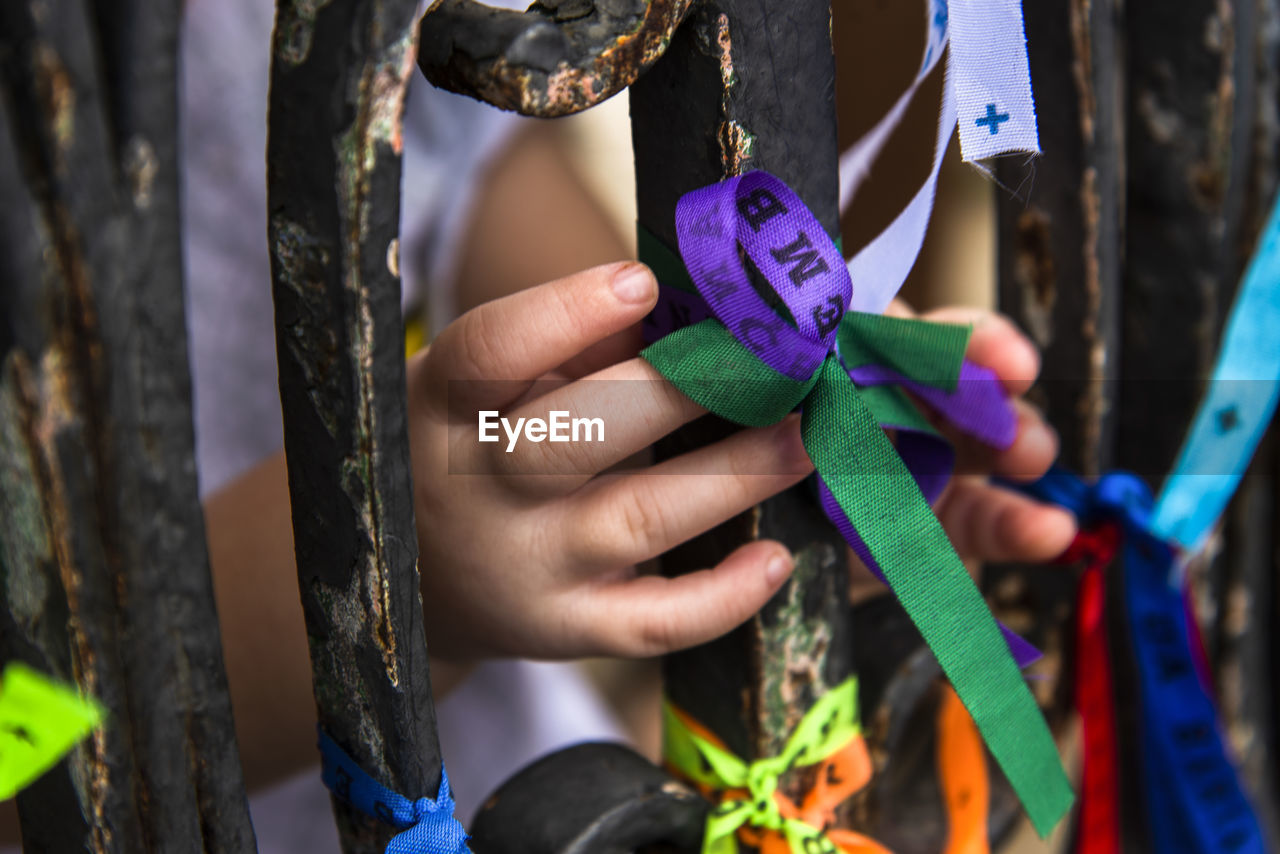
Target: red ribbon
point(1098, 829)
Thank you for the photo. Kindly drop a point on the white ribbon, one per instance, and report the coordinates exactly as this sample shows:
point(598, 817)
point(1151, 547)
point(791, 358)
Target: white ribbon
point(987, 60)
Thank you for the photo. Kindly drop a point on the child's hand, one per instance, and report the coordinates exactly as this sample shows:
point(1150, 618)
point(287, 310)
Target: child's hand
point(533, 552)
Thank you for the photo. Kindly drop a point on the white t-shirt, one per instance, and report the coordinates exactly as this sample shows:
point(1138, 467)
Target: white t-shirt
point(508, 713)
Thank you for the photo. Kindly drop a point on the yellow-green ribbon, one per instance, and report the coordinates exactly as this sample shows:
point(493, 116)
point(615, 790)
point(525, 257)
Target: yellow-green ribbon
point(826, 728)
point(40, 721)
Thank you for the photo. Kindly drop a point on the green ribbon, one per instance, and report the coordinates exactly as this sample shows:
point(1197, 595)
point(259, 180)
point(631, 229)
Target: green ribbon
point(828, 726)
point(843, 434)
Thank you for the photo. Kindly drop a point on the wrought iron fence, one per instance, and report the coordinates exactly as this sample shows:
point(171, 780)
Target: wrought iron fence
point(1120, 257)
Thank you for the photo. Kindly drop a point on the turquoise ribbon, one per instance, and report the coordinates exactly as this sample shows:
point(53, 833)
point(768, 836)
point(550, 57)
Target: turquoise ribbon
point(1237, 408)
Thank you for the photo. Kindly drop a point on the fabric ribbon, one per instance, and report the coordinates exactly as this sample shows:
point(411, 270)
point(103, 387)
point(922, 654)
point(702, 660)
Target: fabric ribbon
point(1096, 544)
point(794, 344)
point(428, 825)
point(1194, 801)
point(40, 721)
point(974, 405)
point(1099, 815)
point(962, 777)
point(987, 90)
point(828, 736)
point(1239, 403)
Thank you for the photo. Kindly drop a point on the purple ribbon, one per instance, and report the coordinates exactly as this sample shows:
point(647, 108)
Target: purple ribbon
point(977, 407)
point(760, 216)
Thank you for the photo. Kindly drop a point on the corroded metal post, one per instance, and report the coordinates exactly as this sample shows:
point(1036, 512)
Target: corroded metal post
point(1060, 238)
point(747, 84)
point(105, 574)
point(338, 78)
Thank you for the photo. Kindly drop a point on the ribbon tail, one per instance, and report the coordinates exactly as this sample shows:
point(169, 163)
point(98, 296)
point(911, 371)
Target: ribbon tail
point(876, 492)
point(720, 836)
point(962, 774)
point(1099, 830)
point(1023, 652)
point(1195, 800)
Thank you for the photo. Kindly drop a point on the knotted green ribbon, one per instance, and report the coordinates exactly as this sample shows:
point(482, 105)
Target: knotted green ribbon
point(868, 490)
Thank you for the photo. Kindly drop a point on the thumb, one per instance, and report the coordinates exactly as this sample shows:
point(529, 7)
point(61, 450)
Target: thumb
point(651, 615)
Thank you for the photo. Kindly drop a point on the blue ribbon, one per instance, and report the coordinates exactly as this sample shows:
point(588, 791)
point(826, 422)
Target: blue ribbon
point(429, 826)
point(1237, 408)
point(1194, 800)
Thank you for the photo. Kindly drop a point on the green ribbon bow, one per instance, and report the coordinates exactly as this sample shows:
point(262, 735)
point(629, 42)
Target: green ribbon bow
point(843, 434)
point(828, 726)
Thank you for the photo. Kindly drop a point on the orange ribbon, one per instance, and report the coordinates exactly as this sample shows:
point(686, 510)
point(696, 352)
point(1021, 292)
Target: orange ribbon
point(837, 778)
point(962, 773)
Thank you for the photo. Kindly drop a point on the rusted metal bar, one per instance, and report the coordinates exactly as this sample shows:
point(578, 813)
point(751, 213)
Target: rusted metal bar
point(171, 645)
point(1060, 235)
point(559, 57)
point(749, 84)
point(106, 574)
point(338, 80)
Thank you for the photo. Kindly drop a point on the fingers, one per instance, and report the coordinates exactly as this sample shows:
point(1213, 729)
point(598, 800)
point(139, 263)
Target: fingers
point(1034, 448)
point(652, 615)
point(520, 337)
point(623, 520)
point(616, 348)
point(997, 344)
point(633, 405)
point(992, 524)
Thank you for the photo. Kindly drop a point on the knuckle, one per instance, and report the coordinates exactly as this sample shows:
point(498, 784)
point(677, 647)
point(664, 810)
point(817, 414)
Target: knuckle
point(657, 634)
point(479, 348)
point(640, 518)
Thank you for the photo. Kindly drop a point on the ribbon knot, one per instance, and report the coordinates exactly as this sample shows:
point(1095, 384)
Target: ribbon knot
point(762, 783)
point(828, 735)
point(1117, 497)
point(785, 339)
point(428, 825)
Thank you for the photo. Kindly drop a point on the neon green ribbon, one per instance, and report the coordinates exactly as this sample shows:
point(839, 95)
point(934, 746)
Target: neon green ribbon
point(826, 728)
point(40, 721)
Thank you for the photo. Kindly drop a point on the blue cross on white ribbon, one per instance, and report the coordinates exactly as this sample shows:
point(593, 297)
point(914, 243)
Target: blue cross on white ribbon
point(987, 82)
point(992, 119)
point(988, 68)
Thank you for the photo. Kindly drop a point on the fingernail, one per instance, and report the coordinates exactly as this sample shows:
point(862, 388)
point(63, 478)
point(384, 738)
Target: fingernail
point(634, 283)
point(778, 568)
